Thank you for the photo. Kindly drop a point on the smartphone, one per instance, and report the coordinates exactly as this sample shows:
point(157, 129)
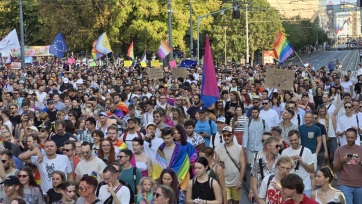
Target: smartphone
point(201, 133)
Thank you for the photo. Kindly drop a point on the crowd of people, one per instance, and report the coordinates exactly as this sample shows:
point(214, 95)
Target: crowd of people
point(109, 134)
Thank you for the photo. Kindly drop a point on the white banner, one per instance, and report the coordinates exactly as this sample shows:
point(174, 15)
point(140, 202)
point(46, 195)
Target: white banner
point(11, 41)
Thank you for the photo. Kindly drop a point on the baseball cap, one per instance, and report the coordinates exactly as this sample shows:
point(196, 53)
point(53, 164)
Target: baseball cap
point(227, 129)
point(103, 114)
point(12, 180)
point(151, 123)
point(44, 127)
point(33, 128)
point(134, 119)
point(202, 109)
point(221, 119)
point(305, 94)
point(50, 101)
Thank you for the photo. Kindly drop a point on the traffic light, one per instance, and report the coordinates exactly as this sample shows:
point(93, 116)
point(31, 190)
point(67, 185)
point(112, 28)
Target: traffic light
point(236, 10)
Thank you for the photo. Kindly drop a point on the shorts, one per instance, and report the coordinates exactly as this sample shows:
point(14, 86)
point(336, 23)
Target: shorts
point(233, 193)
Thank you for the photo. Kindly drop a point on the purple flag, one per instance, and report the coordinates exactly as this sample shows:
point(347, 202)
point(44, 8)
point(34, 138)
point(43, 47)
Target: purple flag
point(209, 89)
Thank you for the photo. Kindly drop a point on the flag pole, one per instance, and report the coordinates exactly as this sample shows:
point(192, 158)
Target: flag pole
point(298, 57)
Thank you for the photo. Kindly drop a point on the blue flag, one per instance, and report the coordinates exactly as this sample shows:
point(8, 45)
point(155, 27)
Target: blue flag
point(209, 88)
point(188, 63)
point(58, 46)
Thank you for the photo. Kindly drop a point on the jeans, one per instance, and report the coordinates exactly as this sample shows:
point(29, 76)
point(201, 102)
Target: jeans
point(250, 155)
point(332, 146)
point(353, 195)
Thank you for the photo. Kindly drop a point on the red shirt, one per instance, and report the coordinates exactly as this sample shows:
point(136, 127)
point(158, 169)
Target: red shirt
point(306, 200)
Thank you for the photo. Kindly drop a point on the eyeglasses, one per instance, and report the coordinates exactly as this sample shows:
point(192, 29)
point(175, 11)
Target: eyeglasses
point(227, 135)
point(157, 195)
point(4, 161)
point(22, 176)
point(66, 150)
point(347, 107)
point(278, 146)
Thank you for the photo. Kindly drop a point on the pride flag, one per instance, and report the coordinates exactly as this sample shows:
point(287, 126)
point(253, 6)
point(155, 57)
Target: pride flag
point(164, 50)
point(130, 52)
point(282, 49)
point(103, 46)
point(95, 53)
point(209, 89)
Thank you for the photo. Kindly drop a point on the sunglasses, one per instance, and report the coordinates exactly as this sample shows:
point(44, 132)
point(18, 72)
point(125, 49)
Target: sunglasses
point(66, 150)
point(227, 135)
point(278, 146)
point(121, 156)
point(22, 176)
point(157, 195)
point(4, 161)
point(265, 103)
point(347, 107)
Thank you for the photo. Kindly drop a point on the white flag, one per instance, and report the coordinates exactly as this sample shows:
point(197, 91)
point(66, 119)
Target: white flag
point(11, 41)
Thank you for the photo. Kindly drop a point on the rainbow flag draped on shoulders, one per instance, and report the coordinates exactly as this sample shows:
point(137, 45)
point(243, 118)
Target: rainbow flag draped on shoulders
point(120, 144)
point(282, 48)
point(179, 163)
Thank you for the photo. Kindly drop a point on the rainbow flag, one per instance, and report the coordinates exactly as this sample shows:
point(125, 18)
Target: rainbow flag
point(95, 53)
point(120, 144)
point(209, 89)
point(164, 50)
point(130, 52)
point(179, 163)
point(282, 49)
point(103, 46)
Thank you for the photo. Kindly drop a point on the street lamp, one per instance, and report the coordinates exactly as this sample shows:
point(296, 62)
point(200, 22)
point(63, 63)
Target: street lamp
point(22, 48)
point(170, 57)
point(225, 28)
point(247, 32)
point(191, 38)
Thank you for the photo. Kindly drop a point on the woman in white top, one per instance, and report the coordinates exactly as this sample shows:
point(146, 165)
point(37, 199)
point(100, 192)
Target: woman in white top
point(347, 85)
point(326, 193)
point(238, 123)
point(143, 162)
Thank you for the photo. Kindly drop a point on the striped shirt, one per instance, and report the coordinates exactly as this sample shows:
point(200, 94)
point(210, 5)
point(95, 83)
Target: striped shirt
point(240, 126)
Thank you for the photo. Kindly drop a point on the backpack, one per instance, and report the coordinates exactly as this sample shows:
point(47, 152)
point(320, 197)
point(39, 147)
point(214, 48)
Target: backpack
point(125, 135)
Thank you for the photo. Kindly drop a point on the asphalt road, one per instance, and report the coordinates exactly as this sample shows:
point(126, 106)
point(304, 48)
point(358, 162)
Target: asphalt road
point(349, 59)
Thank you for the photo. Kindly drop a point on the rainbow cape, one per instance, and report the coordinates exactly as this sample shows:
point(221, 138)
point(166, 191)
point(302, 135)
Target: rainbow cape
point(179, 163)
point(122, 107)
point(282, 49)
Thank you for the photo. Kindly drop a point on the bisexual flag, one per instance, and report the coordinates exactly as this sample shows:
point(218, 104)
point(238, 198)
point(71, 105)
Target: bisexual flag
point(209, 89)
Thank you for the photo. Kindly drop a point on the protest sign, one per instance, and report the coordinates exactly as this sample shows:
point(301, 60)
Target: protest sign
point(127, 63)
point(155, 63)
point(279, 79)
point(16, 65)
point(155, 73)
point(179, 72)
point(172, 64)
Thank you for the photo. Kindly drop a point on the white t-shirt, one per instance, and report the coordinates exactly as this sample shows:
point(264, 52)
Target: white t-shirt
point(343, 123)
point(48, 166)
point(307, 157)
point(129, 139)
point(270, 116)
point(151, 151)
point(217, 142)
point(264, 191)
point(122, 194)
point(92, 168)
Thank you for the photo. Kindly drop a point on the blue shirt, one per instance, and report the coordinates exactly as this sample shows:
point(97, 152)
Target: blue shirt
point(206, 128)
point(309, 135)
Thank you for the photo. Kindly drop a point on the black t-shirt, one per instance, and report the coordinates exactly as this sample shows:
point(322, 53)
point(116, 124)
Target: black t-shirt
point(59, 140)
point(54, 196)
point(15, 119)
point(52, 115)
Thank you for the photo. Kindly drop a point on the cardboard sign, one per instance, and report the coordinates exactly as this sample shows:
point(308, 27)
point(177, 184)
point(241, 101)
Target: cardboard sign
point(155, 63)
point(279, 78)
point(172, 64)
point(155, 73)
point(268, 57)
point(179, 72)
point(127, 63)
point(143, 64)
point(16, 65)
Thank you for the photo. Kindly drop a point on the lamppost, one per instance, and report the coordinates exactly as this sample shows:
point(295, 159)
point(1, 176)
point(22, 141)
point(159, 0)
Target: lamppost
point(170, 57)
point(225, 28)
point(191, 38)
point(22, 48)
point(247, 32)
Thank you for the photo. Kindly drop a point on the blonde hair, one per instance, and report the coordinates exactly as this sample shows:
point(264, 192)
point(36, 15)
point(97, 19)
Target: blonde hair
point(139, 187)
